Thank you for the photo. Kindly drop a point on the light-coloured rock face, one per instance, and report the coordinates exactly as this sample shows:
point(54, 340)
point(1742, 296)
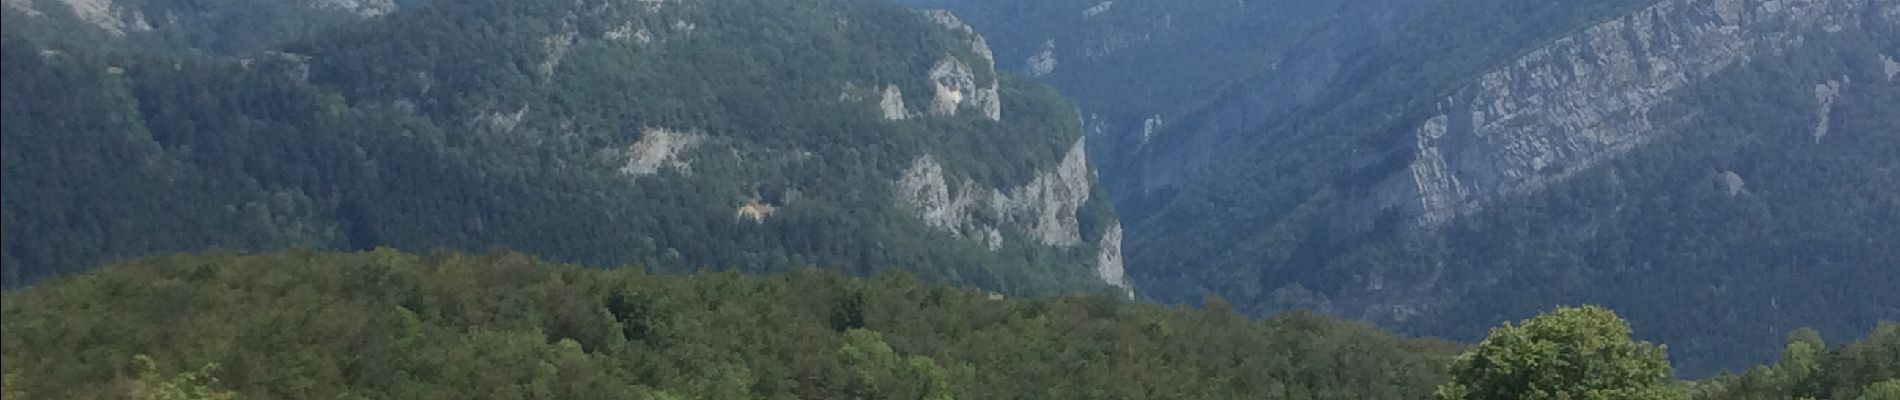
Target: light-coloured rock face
point(502, 122)
point(660, 148)
point(978, 45)
point(24, 7)
point(892, 105)
point(953, 86)
point(951, 81)
point(989, 101)
point(1891, 67)
point(1824, 95)
point(1044, 62)
point(954, 82)
point(1045, 209)
point(755, 210)
point(363, 8)
point(1097, 9)
point(923, 188)
point(1108, 261)
point(1586, 98)
point(554, 51)
point(629, 32)
point(1149, 127)
point(1732, 183)
point(1047, 206)
point(109, 17)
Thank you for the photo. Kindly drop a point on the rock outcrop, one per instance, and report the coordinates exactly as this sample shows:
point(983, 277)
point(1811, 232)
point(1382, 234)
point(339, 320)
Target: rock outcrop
point(925, 190)
point(978, 46)
point(1108, 261)
point(1824, 95)
point(951, 81)
point(1044, 62)
point(1889, 66)
point(1097, 9)
point(362, 8)
point(755, 210)
point(892, 103)
point(1046, 209)
point(660, 148)
point(109, 17)
point(24, 7)
point(954, 81)
point(1732, 183)
point(1586, 98)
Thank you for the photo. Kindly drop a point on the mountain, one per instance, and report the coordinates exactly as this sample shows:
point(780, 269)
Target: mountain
point(1718, 171)
point(385, 324)
point(759, 136)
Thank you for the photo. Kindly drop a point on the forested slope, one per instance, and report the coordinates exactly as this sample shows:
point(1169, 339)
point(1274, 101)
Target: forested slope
point(752, 135)
point(384, 324)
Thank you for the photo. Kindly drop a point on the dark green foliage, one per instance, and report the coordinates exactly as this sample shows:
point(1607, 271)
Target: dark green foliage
point(1581, 353)
point(384, 324)
point(1864, 370)
point(480, 123)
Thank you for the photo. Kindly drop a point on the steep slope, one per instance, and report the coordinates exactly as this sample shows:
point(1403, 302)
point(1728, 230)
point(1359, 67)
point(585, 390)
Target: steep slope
point(1164, 83)
point(758, 136)
point(384, 324)
point(209, 26)
point(1702, 166)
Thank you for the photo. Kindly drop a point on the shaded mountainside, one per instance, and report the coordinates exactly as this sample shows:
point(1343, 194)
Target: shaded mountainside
point(753, 135)
point(1164, 83)
point(385, 324)
point(1716, 170)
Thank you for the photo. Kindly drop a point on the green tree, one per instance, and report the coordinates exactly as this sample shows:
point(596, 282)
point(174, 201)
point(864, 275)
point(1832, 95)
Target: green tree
point(189, 385)
point(1572, 353)
point(1889, 390)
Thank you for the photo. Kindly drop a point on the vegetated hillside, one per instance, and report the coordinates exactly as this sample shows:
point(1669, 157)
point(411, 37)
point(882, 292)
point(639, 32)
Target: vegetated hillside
point(751, 135)
point(384, 324)
point(1721, 172)
point(195, 26)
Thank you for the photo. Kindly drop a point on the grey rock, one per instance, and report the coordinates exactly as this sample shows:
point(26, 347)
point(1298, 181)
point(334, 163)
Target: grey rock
point(362, 8)
point(953, 86)
point(1732, 183)
point(892, 103)
point(1586, 98)
point(1097, 9)
point(1108, 261)
point(660, 148)
point(1891, 67)
point(1044, 62)
point(1824, 95)
point(1045, 209)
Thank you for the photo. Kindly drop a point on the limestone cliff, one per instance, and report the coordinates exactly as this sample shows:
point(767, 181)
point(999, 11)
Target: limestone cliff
point(1046, 209)
point(1586, 98)
point(955, 82)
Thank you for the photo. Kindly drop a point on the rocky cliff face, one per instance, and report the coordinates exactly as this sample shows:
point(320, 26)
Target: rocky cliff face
point(1587, 98)
point(1046, 209)
point(954, 83)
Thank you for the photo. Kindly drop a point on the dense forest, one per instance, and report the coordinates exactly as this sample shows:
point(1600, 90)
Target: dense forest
point(732, 135)
point(386, 324)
